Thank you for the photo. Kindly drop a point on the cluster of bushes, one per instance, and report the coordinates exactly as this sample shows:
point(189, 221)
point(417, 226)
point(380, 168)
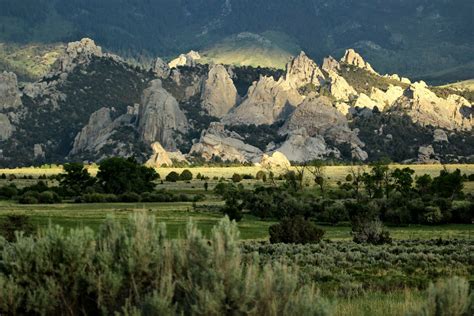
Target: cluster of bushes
point(173, 176)
point(132, 197)
point(340, 267)
point(115, 272)
point(366, 200)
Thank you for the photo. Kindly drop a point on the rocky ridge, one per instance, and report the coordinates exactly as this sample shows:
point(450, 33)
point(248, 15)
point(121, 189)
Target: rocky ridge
point(306, 113)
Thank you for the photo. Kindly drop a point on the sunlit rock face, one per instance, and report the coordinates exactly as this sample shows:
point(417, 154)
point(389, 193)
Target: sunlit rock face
point(216, 141)
point(351, 57)
point(330, 64)
point(159, 157)
point(426, 108)
point(219, 94)
point(188, 59)
point(275, 160)
point(339, 87)
point(160, 117)
point(301, 71)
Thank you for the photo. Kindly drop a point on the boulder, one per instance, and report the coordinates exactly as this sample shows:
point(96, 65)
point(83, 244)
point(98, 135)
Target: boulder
point(160, 117)
point(277, 159)
point(219, 94)
point(440, 136)
point(426, 154)
point(363, 101)
point(10, 95)
point(159, 157)
point(38, 151)
point(216, 141)
point(385, 99)
point(351, 57)
point(300, 147)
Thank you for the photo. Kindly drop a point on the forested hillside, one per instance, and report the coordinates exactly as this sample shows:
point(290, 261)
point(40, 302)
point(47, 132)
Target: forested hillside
point(413, 38)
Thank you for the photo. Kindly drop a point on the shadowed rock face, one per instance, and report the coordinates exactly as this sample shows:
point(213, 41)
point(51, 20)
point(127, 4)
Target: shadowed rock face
point(267, 101)
point(79, 52)
point(219, 94)
point(6, 129)
point(160, 117)
point(10, 95)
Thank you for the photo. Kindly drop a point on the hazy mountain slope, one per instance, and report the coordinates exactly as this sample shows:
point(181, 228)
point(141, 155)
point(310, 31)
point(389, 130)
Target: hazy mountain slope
point(409, 37)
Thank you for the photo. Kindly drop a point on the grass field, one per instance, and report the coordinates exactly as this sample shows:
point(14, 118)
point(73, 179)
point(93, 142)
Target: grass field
point(176, 215)
point(335, 173)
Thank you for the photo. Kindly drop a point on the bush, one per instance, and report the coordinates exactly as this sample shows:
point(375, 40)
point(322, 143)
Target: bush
point(12, 223)
point(49, 197)
point(234, 212)
point(99, 198)
point(129, 197)
point(29, 197)
point(334, 213)
point(8, 191)
point(236, 178)
point(186, 175)
point(172, 177)
point(295, 230)
point(261, 175)
point(448, 298)
point(372, 233)
point(194, 276)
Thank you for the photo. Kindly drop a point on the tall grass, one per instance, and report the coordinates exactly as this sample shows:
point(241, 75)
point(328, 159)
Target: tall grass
point(133, 268)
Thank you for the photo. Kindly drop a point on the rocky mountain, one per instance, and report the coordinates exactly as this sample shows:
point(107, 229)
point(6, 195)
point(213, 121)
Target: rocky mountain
point(415, 38)
point(95, 104)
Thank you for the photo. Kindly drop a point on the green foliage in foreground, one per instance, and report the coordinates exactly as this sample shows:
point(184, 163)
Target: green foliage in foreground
point(136, 269)
point(448, 297)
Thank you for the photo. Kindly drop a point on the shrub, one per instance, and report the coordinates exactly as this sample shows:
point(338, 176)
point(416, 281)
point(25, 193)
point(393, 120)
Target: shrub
point(236, 178)
point(129, 197)
point(334, 213)
point(12, 223)
point(99, 198)
point(3, 176)
point(261, 175)
point(295, 230)
point(371, 232)
point(8, 191)
point(29, 197)
point(115, 272)
point(248, 177)
point(172, 177)
point(49, 197)
point(448, 298)
point(186, 175)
